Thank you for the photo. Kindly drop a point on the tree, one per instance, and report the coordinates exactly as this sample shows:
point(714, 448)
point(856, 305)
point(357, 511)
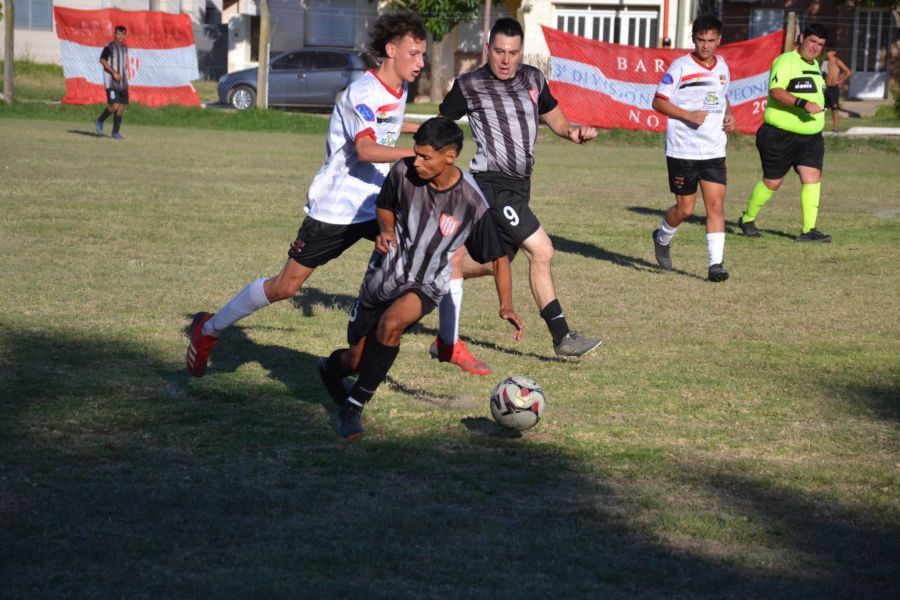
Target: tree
point(441, 16)
point(9, 8)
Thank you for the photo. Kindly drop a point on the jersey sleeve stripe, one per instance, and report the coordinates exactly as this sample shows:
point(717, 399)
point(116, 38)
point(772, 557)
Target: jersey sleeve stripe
point(367, 132)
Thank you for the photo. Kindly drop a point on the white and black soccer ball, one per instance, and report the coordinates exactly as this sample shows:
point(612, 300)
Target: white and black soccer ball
point(518, 403)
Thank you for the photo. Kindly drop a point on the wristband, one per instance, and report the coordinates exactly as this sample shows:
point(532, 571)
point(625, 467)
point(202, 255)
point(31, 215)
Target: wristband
point(800, 102)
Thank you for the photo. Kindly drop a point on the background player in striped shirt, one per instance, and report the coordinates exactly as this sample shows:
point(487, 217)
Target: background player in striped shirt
point(506, 101)
point(364, 127)
point(693, 94)
point(114, 60)
point(427, 209)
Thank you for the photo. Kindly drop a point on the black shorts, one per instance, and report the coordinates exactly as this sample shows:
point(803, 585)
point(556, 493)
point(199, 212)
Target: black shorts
point(117, 96)
point(832, 96)
point(779, 150)
point(364, 319)
point(318, 242)
point(508, 197)
point(686, 173)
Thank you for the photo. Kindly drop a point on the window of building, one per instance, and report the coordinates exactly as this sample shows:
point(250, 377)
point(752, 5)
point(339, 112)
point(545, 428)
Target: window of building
point(764, 21)
point(610, 24)
point(330, 23)
point(34, 14)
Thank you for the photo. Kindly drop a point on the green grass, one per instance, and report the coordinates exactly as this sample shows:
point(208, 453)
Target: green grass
point(735, 439)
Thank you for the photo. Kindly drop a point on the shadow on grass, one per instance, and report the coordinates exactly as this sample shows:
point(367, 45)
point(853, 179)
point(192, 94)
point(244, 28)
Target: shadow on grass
point(623, 260)
point(122, 476)
point(824, 537)
point(308, 297)
point(881, 398)
point(730, 227)
point(92, 134)
point(511, 351)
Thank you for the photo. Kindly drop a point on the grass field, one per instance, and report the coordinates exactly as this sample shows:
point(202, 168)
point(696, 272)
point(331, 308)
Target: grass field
point(735, 439)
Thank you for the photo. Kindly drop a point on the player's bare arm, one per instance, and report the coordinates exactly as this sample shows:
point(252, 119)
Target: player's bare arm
point(387, 239)
point(729, 123)
point(409, 127)
point(503, 280)
point(560, 125)
point(788, 99)
point(369, 150)
point(666, 107)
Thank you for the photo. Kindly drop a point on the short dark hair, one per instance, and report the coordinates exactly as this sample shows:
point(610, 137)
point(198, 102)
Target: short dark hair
point(121, 28)
point(816, 29)
point(393, 25)
point(506, 26)
point(439, 133)
point(706, 23)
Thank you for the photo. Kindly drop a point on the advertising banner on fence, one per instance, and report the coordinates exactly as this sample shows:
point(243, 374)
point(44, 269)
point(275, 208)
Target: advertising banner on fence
point(161, 55)
point(613, 85)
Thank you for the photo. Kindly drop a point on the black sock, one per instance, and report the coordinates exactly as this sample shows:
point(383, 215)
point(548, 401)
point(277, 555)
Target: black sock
point(333, 365)
point(556, 321)
point(104, 115)
point(117, 122)
point(373, 368)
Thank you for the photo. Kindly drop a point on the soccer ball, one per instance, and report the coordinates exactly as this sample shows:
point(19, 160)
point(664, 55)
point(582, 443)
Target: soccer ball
point(517, 403)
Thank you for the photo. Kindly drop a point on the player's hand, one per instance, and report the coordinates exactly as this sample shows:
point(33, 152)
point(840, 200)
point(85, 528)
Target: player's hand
point(813, 108)
point(729, 123)
point(117, 77)
point(385, 242)
point(581, 134)
point(508, 314)
point(696, 117)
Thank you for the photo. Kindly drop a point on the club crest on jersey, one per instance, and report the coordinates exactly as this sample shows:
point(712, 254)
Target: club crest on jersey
point(722, 79)
point(365, 112)
point(448, 225)
point(533, 92)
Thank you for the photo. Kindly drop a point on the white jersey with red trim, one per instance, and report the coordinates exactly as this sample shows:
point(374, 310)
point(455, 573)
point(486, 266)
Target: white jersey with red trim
point(689, 85)
point(344, 189)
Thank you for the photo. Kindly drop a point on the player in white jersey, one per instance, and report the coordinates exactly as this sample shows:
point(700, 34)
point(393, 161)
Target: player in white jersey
point(363, 130)
point(693, 94)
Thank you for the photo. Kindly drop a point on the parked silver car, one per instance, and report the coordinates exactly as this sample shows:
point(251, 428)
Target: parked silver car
point(308, 77)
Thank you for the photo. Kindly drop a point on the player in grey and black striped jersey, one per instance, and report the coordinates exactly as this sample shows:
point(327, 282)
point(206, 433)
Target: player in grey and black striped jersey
point(427, 209)
point(505, 102)
point(114, 60)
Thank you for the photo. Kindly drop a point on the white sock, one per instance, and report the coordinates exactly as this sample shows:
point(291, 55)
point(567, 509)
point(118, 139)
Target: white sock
point(448, 312)
point(715, 244)
point(248, 301)
point(666, 233)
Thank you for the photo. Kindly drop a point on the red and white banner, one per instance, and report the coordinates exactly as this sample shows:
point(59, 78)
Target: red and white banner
point(161, 54)
point(613, 85)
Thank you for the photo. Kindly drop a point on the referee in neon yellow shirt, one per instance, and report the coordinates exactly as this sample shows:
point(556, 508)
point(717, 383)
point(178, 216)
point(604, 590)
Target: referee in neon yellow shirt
point(791, 134)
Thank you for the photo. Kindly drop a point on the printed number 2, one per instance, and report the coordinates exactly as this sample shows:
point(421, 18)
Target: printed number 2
point(511, 215)
point(759, 106)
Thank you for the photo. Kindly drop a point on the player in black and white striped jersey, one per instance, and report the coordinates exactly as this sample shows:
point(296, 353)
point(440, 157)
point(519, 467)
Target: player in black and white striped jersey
point(427, 209)
point(114, 60)
point(505, 102)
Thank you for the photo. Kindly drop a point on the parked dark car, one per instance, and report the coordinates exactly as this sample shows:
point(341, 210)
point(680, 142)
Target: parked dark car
point(307, 77)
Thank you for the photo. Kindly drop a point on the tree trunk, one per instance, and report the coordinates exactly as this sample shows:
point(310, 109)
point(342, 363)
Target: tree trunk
point(9, 23)
point(440, 70)
point(262, 78)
